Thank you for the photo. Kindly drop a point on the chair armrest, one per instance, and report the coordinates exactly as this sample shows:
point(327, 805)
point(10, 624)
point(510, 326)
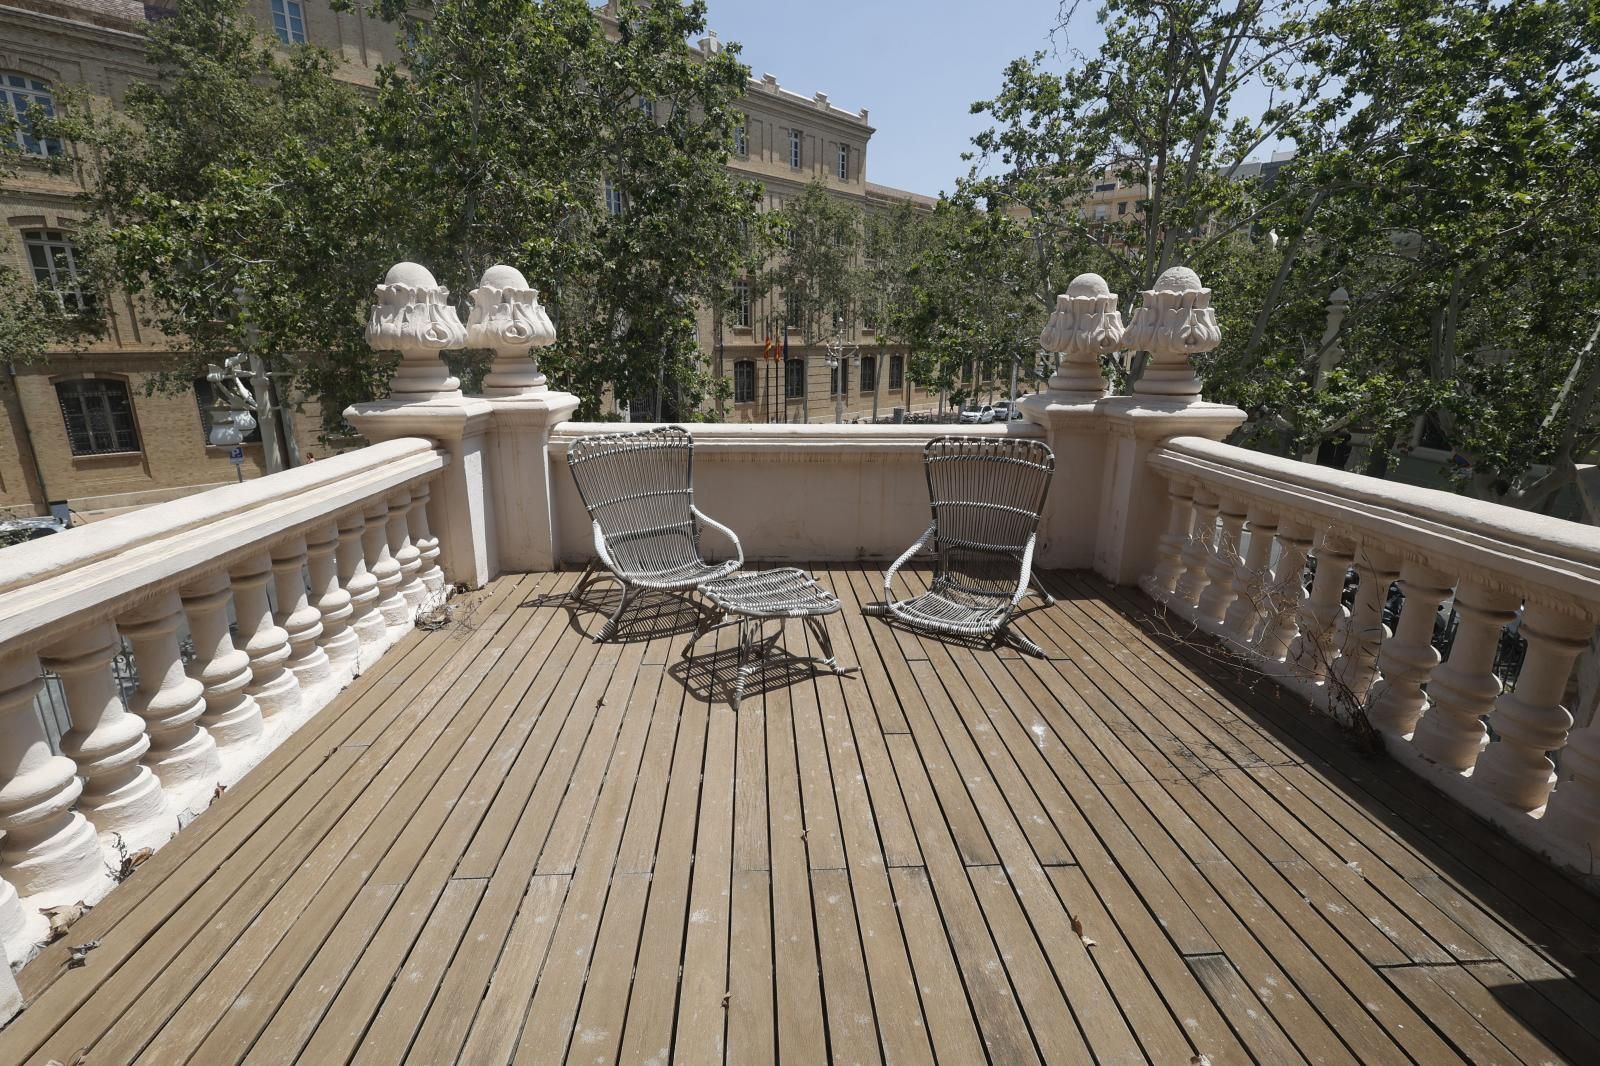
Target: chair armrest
point(601, 550)
point(894, 568)
point(1027, 570)
point(738, 549)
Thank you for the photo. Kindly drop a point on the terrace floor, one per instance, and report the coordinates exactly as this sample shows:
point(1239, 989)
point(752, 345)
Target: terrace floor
point(506, 843)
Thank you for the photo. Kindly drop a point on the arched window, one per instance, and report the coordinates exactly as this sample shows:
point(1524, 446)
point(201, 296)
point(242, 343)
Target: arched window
point(744, 381)
point(794, 379)
point(98, 413)
point(869, 374)
point(20, 94)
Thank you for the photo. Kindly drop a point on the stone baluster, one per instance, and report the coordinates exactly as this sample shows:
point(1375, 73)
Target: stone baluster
point(1408, 657)
point(1357, 664)
point(1320, 615)
point(431, 576)
point(405, 553)
point(1286, 595)
point(381, 562)
point(1464, 689)
point(274, 688)
point(1180, 517)
point(1197, 552)
point(120, 794)
point(1251, 579)
point(182, 753)
point(1224, 563)
point(358, 581)
point(1529, 719)
point(50, 853)
point(232, 716)
point(300, 620)
point(339, 642)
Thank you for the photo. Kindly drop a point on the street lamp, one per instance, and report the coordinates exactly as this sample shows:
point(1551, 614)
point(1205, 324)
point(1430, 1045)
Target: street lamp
point(231, 417)
point(839, 356)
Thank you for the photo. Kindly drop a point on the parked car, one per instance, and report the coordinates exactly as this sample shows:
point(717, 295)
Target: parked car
point(971, 415)
point(18, 530)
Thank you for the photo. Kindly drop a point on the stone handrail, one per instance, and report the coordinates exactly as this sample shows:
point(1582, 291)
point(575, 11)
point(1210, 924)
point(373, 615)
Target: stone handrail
point(1233, 558)
point(347, 550)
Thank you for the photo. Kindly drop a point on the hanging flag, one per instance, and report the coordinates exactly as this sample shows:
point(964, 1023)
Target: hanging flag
point(772, 350)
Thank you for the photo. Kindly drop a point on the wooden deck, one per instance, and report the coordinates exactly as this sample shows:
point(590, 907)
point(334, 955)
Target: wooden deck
point(506, 843)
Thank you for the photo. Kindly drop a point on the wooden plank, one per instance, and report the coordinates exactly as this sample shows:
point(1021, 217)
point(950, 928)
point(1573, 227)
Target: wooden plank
point(1252, 1021)
point(750, 851)
point(597, 1034)
point(849, 628)
point(1494, 996)
point(1458, 1025)
point(960, 811)
point(752, 1007)
point(951, 1026)
point(702, 1001)
point(498, 1023)
point(824, 844)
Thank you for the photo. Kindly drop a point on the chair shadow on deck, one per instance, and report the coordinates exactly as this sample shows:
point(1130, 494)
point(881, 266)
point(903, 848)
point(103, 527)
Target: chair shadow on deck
point(711, 675)
point(650, 615)
point(1481, 877)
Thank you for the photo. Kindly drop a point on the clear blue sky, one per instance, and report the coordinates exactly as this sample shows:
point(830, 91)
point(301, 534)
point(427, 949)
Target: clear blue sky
point(917, 66)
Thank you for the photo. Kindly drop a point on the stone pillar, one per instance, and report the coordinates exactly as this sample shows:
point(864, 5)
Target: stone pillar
point(1357, 664)
point(339, 642)
point(1197, 552)
point(1530, 719)
point(1224, 564)
point(301, 622)
point(427, 544)
point(1286, 595)
point(182, 753)
point(1252, 579)
point(359, 583)
point(405, 553)
point(121, 797)
point(412, 316)
point(1311, 654)
point(232, 717)
point(384, 568)
point(1409, 656)
point(274, 688)
point(50, 854)
point(508, 320)
point(1180, 517)
point(1464, 689)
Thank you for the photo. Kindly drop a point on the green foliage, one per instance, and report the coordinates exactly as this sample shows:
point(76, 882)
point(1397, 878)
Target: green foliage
point(815, 266)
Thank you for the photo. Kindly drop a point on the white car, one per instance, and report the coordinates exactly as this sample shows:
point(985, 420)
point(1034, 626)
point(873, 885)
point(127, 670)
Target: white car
point(972, 415)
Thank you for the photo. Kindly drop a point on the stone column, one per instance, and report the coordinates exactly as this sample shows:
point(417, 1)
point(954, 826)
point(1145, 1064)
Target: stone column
point(1311, 654)
point(360, 584)
point(405, 553)
point(1286, 595)
point(385, 570)
point(1197, 552)
point(339, 642)
point(1357, 664)
point(50, 853)
point(1252, 579)
point(274, 688)
point(1224, 564)
point(427, 544)
point(1409, 656)
point(1464, 689)
point(121, 797)
point(412, 316)
point(301, 622)
point(1530, 719)
point(182, 753)
point(232, 717)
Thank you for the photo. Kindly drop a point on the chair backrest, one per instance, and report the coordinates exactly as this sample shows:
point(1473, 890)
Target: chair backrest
point(639, 487)
point(987, 494)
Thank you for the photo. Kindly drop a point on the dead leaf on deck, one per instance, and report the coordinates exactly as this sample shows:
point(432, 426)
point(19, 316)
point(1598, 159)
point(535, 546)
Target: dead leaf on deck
point(217, 792)
point(1200, 1060)
point(62, 918)
point(80, 954)
point(1077, 927)
point(132, 862)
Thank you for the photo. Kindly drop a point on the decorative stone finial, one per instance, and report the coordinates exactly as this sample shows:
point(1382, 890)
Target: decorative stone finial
point(1084, 326)
point(411, 314)
point(506, 318)
point(1173, 322)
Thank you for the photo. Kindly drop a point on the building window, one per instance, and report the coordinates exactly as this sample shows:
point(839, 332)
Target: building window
point(98, 416)
point(1122, 208)
point(844, 162)
point(869, 316)
point(897, 371)
point(741, 304)
point(792, 311)
point(648, 106)
point(205, 397)
point(54, 259)
point(1107, 186)
point(289, 21)
point(1099, 211)
point(794, 379)
point(20, 94)
point(613, 199)
point(869, 374)
point(744, 381)
point(839, 378)
point(795, 141)
point(741, 142)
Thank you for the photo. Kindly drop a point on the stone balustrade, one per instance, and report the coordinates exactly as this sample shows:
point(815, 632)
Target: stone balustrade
point(131, 769)
point(1496, 750)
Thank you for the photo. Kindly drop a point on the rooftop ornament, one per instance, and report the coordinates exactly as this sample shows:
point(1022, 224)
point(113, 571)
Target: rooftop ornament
point(507, 319)
point(412, 315)
point(1084, 326)
point(1173, 323)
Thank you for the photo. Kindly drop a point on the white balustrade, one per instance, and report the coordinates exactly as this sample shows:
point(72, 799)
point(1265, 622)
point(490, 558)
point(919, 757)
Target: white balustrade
point(272, 685)
point(1357, 665)
point(427, 544)
point(1180, 519)
point(1464, 689)
point(384, 567)
point(232, 717)
point(1286, 595)
point(362, 587)
point(182, 753)
point(1408, 658)
point(1197, 552)
point(1252, 578)
point(1223, 565)
point(300, 621)
point(339, 642)
point(405, 553)
point(1311, 653)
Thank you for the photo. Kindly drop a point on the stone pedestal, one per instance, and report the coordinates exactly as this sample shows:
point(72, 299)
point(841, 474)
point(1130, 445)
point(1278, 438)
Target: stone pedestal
point(1076, 433)
point(520, 479)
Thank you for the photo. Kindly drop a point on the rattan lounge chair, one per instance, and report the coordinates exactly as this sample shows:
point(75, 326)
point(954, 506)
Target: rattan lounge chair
point(639, 490)
point(987, 494)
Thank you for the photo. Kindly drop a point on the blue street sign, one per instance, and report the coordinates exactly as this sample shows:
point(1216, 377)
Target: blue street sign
point(236, 456)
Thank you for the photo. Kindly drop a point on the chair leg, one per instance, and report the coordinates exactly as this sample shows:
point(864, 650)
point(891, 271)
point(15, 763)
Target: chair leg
point(584, 580)
point(610, 628)
point(1038, 586)
point(1020, 642)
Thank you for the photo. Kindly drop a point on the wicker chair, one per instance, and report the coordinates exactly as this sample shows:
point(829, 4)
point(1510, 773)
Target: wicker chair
point(639, 490)
point(987, 494)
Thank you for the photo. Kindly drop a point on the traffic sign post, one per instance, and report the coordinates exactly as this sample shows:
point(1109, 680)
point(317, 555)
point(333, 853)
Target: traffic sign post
point(236, 457)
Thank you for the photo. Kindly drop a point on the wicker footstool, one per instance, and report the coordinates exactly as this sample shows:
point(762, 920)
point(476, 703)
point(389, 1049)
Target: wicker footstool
point(762, 595)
